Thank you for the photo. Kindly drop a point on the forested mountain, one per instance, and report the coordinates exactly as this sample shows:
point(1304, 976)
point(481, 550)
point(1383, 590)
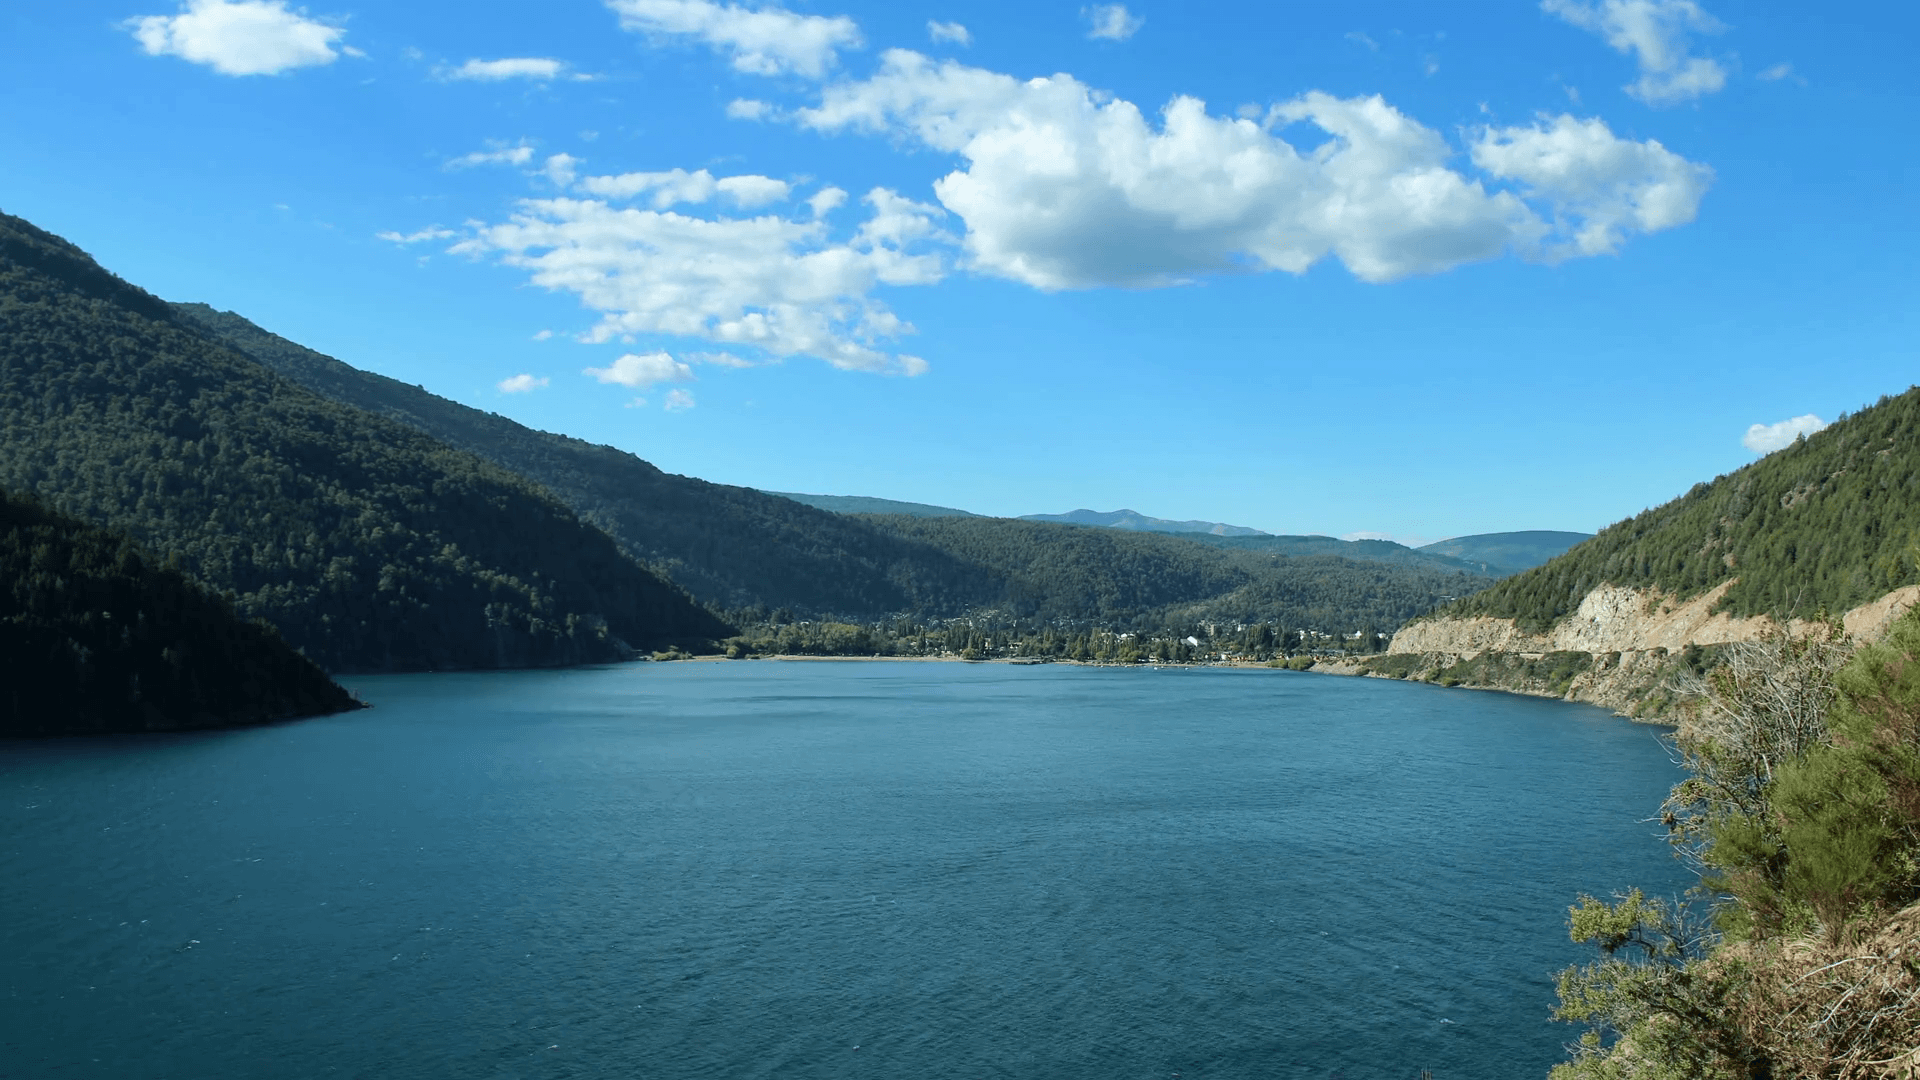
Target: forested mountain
point(98, 637)
point(751, 551)
point(1508, 552)
point(731, 547)
point(371, 546)
point(864, 504)
point(1135, 521)
point(1143, 580)
point(1822, 526)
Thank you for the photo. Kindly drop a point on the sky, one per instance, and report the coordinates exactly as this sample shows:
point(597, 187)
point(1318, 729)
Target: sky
point(1409, 270)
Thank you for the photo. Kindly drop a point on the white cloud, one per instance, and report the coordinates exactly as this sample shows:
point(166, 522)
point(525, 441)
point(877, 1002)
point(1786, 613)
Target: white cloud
point(1658, 34)
point(431, 232)
point(748, 109)
point(239, 37)
point(724, 359)
point(751, 191)
point(1766, 438)
point(517, 67)
point(543, 335)
point(678, 401)
point(1775, 73)
point(1600, 188)
point(499, 155)
point(1064, 187)
point(761, 41)
point(780, 285)
point(1359, 37)
point(521, 384)
point(641, 371)
point(1111, 22)
point(562, 168)
point(948, 33)
point(826, 201)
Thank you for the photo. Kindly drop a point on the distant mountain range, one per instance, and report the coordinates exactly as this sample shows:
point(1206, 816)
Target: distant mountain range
point(1136, 521)
point(1511, 551)
point(862, 504)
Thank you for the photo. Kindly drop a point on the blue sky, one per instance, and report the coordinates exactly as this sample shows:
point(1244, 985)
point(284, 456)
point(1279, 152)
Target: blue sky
point(1405, 269)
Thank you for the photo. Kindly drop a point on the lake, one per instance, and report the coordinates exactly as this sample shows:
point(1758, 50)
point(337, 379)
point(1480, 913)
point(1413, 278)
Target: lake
point(797, 869)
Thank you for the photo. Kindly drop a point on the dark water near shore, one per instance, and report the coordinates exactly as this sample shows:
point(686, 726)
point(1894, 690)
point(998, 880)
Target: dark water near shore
point(751, 869)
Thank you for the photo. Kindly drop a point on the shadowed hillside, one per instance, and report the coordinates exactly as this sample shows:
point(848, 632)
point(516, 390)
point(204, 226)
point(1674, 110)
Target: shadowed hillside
point(369, 545)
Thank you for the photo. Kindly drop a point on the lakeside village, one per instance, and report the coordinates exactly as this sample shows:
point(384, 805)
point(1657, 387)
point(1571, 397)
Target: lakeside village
point(1000, 636)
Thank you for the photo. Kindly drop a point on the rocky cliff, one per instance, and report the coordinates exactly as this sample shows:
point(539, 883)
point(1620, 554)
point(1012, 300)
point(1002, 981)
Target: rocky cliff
point(1622, 648)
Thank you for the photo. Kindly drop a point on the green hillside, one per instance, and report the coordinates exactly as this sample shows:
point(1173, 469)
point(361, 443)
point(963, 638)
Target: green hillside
point(1384, 551)
point(371, 546)
point(731, 547)
point(98, 637)
point(1824, 525)
point(1144, 580)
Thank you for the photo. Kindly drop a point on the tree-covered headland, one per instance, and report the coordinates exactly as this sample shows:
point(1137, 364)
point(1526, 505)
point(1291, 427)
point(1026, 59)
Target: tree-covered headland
point(100, 637)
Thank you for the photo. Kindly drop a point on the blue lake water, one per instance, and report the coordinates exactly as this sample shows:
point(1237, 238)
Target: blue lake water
point(764, 869)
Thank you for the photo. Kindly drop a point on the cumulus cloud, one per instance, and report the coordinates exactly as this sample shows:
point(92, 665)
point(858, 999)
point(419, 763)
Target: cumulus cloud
point(1064, 187)
point(951, 33)
point(784, 286)
point(1766, 438)
point(431, 232)
point(826, 201)
point(562, 168)
point(1658, 33)
point(516, 67)
point(678, 401)
point(642, 370)
point(520, 384)
point(500, 154)
point(1775, 73)
point(1111, 22)
point(239, 37)
point(765, 40)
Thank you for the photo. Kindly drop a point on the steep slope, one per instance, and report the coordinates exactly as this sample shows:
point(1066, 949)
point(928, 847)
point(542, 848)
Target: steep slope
point(100, 638)
point(371, 546)
point(1383, 551)
point(1824, 531)
point(1508, 551)
point(1822, 526)
point(732, 547)
point(1133, 520)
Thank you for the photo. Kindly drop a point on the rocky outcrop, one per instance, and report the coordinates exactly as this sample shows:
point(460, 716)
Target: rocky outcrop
point(1621, 649)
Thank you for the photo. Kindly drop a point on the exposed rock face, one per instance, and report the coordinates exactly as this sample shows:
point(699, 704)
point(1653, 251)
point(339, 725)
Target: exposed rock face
point(1632, 639)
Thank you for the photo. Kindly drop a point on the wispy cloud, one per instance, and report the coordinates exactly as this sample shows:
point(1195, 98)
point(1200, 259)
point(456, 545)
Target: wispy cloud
point(500, 154)
point(1659, 34)
point(948, 33)
point(678, 401)
point(1111, 22)
point(767, 40)
point(431, 232)
point(513, 67)
point(520, 384)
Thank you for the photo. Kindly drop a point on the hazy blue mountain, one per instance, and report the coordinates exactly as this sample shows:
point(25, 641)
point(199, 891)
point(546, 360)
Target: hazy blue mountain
point(863, 504)
point(1383, 551)
point(1138, 522)
point(1509, 551)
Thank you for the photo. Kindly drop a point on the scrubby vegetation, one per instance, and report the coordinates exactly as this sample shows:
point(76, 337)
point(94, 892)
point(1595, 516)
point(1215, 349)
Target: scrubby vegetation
point(99, 637)
point(368, 544)
point(1800, 955)
point(1822, 526)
